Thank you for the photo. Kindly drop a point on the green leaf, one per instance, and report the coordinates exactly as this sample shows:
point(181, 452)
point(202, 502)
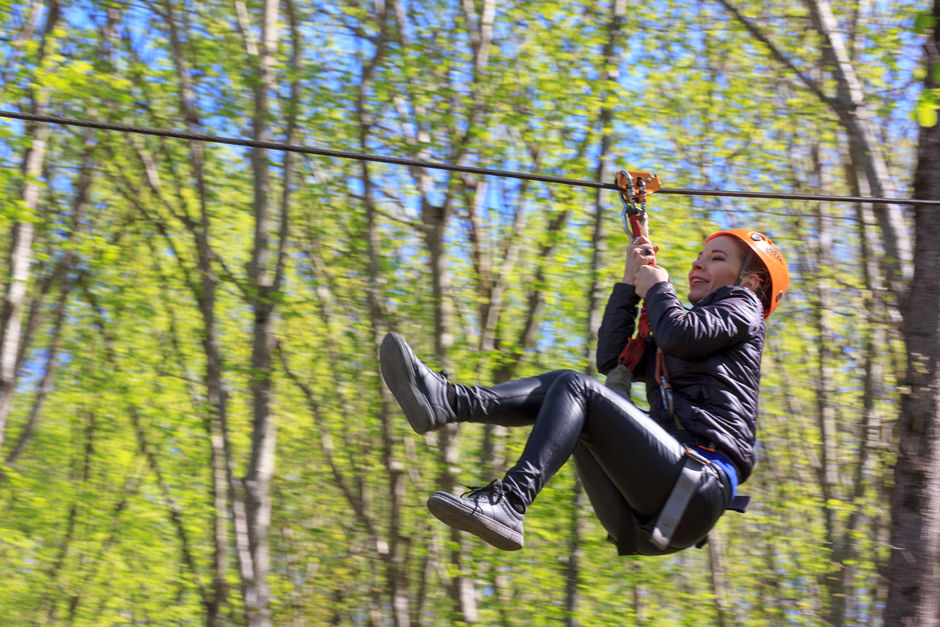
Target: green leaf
point(926, 108)
point(924, 22)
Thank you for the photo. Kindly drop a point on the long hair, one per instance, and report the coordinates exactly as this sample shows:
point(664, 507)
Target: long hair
point(752, 266)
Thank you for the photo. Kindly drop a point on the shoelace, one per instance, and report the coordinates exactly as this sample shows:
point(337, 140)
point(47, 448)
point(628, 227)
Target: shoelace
point(494, 486)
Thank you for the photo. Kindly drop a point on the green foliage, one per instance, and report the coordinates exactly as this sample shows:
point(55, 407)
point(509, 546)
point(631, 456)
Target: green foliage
point(924, 22)
point(118, 472)
point(927, 105)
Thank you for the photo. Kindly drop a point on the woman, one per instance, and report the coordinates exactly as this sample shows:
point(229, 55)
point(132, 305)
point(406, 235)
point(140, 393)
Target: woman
point(659, 481)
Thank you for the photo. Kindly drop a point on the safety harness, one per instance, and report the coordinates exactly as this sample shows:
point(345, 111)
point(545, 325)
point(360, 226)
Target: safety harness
point(669, 517)
point(671, 513)
point(634, 186)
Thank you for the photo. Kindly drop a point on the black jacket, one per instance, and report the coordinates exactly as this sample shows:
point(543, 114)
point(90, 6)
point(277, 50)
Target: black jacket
point(713, 356)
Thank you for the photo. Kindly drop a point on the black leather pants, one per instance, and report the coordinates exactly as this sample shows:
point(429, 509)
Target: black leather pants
point(627, 463)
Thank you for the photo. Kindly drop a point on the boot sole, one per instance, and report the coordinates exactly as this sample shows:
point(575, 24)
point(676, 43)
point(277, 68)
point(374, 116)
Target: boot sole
point(395, 360)
point(457, 514)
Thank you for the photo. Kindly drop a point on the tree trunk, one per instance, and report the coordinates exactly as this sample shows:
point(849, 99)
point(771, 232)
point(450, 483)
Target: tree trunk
point(223, 487)
point(21, 250)
point(849, 104)
point(393, 551)
point(719, 581)
point(46, 381)
point(914, 567)
point(595, 292)
point(850, 108)
point(264, 293)
point(828, 469)
point(60, 274)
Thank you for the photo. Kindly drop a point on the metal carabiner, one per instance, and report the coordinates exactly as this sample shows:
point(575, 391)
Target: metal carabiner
point(633, 215)
point(665, 390)
point(662, 375)
point(627, 192)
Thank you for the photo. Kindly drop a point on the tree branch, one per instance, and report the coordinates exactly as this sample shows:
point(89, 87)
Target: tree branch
point(777, 54)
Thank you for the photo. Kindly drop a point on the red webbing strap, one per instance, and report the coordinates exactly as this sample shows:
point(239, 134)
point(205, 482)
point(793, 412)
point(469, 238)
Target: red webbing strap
point(632, 353)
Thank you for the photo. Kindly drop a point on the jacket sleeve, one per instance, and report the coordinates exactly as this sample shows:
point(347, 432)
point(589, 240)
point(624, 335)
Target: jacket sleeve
point(734, 315)
point(617, 326)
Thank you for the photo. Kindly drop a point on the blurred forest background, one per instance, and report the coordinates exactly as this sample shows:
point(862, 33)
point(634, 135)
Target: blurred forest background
point(193, 429)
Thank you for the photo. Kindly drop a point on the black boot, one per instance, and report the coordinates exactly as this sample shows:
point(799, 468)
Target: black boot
point(485, 512)
point(421, 392)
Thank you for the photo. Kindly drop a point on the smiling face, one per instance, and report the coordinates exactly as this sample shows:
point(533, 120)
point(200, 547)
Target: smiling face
point(718, 265)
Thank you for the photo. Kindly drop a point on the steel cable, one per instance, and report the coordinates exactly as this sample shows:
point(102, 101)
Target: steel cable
point(418, 163)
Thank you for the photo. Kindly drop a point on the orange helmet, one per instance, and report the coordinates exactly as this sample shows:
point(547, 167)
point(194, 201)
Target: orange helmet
point(771, 258)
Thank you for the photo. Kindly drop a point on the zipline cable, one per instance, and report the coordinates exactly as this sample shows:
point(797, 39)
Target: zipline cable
point(417, 163)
